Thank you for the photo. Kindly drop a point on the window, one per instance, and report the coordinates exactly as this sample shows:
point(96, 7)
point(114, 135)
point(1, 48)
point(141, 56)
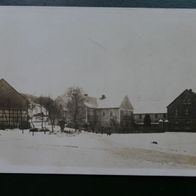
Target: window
point(188, 122)
point(176, 112)
point(103, 113)
point(164, 115)
point(187, 101)
point(186, 111)
point(156, 116)
point(111, 114)
point(140, 116)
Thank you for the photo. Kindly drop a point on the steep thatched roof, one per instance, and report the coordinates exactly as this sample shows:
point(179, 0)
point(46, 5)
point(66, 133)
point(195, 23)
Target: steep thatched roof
point(10, 98)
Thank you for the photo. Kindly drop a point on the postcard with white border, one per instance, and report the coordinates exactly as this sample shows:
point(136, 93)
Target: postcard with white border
point(98, 90)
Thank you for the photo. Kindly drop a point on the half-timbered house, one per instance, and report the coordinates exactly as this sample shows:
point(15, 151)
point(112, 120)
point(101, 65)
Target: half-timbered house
point(13, 107)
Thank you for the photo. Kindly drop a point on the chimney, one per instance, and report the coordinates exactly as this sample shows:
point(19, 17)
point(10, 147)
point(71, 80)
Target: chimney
point(102, 97)
point(86, 95)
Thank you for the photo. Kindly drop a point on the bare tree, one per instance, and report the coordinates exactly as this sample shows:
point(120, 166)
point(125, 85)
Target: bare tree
point(147, 121)
point(54, 111)
point(94, 122)
point(42, 102)
point(31, 108)
point(114, 124)
point(75, 107)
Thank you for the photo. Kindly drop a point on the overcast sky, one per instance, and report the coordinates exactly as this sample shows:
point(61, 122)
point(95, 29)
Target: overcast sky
point(147, 54)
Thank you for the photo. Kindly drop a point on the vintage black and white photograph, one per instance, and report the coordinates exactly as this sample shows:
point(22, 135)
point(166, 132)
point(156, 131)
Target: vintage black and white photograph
point(98, 90)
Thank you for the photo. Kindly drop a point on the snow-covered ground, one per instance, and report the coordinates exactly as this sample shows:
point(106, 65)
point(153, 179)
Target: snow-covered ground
point(98, 153)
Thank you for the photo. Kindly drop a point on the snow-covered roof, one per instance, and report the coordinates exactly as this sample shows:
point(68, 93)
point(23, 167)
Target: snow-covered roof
point(151, 106)
point(106, 103)
point(37, 110)
point(90, 102)
point(99, 103)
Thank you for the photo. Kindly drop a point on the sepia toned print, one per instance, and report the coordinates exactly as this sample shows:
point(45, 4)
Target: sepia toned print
point(97, 91)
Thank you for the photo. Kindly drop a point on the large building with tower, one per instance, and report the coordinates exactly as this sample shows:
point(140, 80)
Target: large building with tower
point(106, 111)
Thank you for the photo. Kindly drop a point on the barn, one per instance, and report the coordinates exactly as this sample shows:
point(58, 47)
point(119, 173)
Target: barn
point(13, 107)
point(182, 112)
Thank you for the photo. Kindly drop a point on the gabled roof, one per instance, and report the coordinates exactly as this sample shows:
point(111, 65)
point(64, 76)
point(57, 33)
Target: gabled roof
point(90, 102)
point(126, 104)
point(10, 97)
point(151, 106)
point(29, 97)
point(187, 91)
point(106, 103)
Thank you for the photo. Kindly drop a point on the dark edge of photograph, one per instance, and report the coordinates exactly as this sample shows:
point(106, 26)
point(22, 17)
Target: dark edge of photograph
point(44, 184)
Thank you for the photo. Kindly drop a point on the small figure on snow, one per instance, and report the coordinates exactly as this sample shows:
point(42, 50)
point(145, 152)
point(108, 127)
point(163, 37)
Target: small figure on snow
point(62, 125)
point(154, 142)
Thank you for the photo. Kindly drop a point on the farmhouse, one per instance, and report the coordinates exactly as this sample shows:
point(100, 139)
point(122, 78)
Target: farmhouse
point(38, 115)
point(106, 111)
point(182, 112)
point(13, 107)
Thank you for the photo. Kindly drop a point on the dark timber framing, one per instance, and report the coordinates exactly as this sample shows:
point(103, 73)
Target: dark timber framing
point(13, 107)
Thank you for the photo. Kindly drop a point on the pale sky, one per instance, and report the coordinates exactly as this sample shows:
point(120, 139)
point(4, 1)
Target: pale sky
point(147, 54)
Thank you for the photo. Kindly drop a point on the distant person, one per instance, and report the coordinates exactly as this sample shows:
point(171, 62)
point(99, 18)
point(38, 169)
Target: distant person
point(62, 125)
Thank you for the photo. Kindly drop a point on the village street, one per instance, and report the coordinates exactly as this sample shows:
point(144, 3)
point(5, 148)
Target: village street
point(58, 152)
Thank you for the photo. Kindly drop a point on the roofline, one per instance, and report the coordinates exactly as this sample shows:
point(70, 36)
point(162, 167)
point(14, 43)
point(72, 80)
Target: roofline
point(15, 90)
point(8, 108)
point(97, 108)
point(151, 113)
point(93, 107)
point(127, 109)
point(108, 108)
point(177, 97)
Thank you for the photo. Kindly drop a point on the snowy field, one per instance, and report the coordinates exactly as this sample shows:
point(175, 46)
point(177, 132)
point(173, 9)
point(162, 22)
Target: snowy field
point(98, 153)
